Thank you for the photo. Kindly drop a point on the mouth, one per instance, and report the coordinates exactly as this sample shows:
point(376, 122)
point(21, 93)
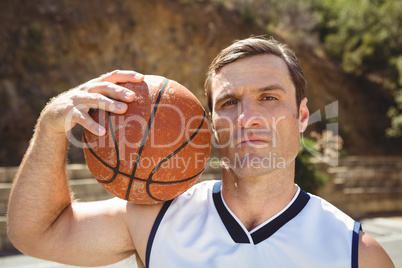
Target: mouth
point(253, 140)
point(254, 143)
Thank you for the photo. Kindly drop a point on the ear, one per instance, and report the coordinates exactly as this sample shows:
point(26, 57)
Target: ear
point(213, 128)
point(304, 115)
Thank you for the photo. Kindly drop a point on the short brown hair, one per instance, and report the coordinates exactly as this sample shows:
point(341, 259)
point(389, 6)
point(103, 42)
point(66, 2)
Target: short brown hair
point(258, 46)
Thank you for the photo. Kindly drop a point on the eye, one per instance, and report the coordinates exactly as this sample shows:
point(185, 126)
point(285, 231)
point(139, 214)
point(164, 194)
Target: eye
point(228, 103)
point(269, 98)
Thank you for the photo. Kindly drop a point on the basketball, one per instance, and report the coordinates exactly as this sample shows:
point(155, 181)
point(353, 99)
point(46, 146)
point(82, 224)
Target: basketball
point(157, 149)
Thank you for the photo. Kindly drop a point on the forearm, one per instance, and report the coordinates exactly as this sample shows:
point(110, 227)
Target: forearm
point(40, 190)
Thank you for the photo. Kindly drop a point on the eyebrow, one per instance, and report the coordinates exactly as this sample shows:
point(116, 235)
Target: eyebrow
point(271, 88)
point(226, 95)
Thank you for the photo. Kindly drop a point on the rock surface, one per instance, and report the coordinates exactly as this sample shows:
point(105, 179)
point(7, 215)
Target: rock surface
point(47, 47)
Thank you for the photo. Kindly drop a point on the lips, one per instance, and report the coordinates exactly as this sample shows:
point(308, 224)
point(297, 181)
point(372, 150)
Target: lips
point(253, 142)
point(253, 139)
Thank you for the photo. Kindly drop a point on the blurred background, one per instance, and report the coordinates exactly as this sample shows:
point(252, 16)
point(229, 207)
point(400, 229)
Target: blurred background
point(351, 52)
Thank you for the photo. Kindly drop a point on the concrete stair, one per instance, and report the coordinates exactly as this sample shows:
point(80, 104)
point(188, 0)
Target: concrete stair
point(360, 186)
point(84, 186)
point(366, 186)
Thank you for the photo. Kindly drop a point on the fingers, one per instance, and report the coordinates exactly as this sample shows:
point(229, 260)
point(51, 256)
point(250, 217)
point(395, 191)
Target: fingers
point(100, 93)
point(85, 120)
point(106, 85)
point(103, 93)
point(78, 107)
point(99, 101)
point(119, 76)
point(112, 91)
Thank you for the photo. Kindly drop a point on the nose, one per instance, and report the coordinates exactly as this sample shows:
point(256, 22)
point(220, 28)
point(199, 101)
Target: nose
point(249, 116)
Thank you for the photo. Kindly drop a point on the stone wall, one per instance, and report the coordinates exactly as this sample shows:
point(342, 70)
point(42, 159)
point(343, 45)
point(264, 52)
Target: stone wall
point(47, 47)
point(360, 186)
point(366, 186)
point(85, 188)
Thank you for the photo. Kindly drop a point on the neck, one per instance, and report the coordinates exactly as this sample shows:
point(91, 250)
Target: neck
point(256, 199)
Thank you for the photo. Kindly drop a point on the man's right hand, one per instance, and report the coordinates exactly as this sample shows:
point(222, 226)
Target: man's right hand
point(69, 108)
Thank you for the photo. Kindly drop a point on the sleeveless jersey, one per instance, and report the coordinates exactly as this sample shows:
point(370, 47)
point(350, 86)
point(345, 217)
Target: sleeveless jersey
point(197, 229)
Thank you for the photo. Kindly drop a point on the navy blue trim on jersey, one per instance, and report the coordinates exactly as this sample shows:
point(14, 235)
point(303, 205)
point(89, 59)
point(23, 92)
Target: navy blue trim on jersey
point(355, 244)
point(154, 229)
point(237, 232)
point(270, 228)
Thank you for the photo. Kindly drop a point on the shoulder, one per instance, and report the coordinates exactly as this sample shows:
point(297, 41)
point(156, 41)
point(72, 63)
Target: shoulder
point(326, 211)
point(371, 253)
point(149, 212)
point(199, 190)
point(193, 200)
point(141, 218)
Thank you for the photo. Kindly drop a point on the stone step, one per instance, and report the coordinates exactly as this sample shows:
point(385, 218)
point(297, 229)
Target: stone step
point(5, 244)
point(7, 174)
point(367, 171)
point(75, 171)
point(365, 176)
point(373, 190)
point(85, 190)
point(4, 194)
point(373, 161)
point(78, 171)
point(362, 183)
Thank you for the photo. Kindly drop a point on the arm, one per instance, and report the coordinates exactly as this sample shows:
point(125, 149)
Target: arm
point(43, 220)
point(371, 253)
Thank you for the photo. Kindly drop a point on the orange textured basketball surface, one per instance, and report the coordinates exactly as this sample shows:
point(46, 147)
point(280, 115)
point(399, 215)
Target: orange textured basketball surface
point(157, 149)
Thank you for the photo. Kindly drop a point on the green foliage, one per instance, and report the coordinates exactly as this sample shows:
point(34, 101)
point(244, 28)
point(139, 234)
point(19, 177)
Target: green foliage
point(307, 174)
point(366, 37)
point(361, 32)
point(396, 117)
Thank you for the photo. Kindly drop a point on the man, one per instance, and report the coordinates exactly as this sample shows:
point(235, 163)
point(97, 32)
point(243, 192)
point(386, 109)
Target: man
point(255, 217)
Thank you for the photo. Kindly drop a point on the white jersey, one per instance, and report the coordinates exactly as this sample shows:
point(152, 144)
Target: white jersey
point(197, 229)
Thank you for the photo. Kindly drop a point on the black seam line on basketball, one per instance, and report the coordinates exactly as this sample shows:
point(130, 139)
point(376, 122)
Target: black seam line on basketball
point(171, 155)
point(145, 136)
point(116, 169)
point(173, 182)
point(124, 174)
point(94, 154)
point(103, 162)
point(179, 181)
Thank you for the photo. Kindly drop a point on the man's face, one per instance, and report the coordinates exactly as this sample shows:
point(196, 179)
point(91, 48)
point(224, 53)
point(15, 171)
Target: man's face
point(255, 116)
